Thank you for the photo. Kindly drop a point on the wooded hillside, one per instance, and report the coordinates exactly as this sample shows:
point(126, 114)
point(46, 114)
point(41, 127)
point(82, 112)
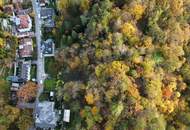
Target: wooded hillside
point(125, 64)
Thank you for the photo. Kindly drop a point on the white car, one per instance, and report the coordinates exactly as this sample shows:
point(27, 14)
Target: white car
point(38, 15)
point(41, 55)
point(41, 82)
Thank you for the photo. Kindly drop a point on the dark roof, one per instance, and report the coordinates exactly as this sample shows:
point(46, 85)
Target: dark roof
point(47, 12)
point(49, 23)
point(48, 47)
point(25, 70)
point(8, 9)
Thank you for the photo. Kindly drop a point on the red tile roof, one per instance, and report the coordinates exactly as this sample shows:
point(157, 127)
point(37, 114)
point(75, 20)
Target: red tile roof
point(24, 21)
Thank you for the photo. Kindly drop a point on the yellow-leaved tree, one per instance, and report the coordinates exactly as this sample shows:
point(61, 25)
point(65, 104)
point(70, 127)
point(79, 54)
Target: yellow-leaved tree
point(1, 3)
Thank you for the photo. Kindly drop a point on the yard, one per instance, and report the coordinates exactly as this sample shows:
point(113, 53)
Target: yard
point(51, 67)
point(33, 71)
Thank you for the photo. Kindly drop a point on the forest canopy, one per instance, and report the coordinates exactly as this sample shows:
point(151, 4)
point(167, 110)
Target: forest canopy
point(124, 64)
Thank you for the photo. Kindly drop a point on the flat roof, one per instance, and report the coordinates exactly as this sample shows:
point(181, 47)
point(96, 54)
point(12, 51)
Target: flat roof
point(46, 116)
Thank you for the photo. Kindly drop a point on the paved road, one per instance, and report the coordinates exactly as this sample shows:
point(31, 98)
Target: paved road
point(26, 105)
point(40, 57)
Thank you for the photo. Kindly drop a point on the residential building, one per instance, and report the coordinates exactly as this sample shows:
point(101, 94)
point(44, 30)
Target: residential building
point(25, 47)
point(15, 86)
point(22, 72)
point(46, 115)
point(48, 48)
point(25, 70)
point(23, 23)
point(8, 9)
point(47, 13)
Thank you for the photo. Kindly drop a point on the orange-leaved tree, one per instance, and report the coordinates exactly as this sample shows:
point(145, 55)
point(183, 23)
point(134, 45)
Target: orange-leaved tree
point(27, 92)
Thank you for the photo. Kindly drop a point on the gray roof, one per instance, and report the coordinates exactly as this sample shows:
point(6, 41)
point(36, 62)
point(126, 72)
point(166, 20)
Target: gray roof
point(15, 79)
point(47, 12)
point(49, 22)
point(25, 72)
point(48, 47)
point(46, 116)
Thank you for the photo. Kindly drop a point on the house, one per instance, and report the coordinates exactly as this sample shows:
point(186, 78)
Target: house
point(23, 23)
point(22, 72)
point(25, 70)
point(25, 47)
point(15, 86)
point(48, 48)
point(8, 9)
point(22, 26)
point(46, 115)
point(47, 13)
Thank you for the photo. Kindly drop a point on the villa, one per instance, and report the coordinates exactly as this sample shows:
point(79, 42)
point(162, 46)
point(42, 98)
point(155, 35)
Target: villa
point(23, 23)
point(48, 48)
point(46, 115)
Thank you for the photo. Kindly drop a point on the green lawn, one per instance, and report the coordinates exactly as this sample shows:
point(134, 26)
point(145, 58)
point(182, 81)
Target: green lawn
point(49, 85)
point(33, 72)
point(51, 67)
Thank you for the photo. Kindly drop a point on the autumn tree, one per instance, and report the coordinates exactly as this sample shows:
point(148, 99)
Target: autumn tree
point(124, 64)
point(27, 92)
point(25, 120)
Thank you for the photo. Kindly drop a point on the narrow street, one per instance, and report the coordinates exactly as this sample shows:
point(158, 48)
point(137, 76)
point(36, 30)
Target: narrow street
point(40, 57)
